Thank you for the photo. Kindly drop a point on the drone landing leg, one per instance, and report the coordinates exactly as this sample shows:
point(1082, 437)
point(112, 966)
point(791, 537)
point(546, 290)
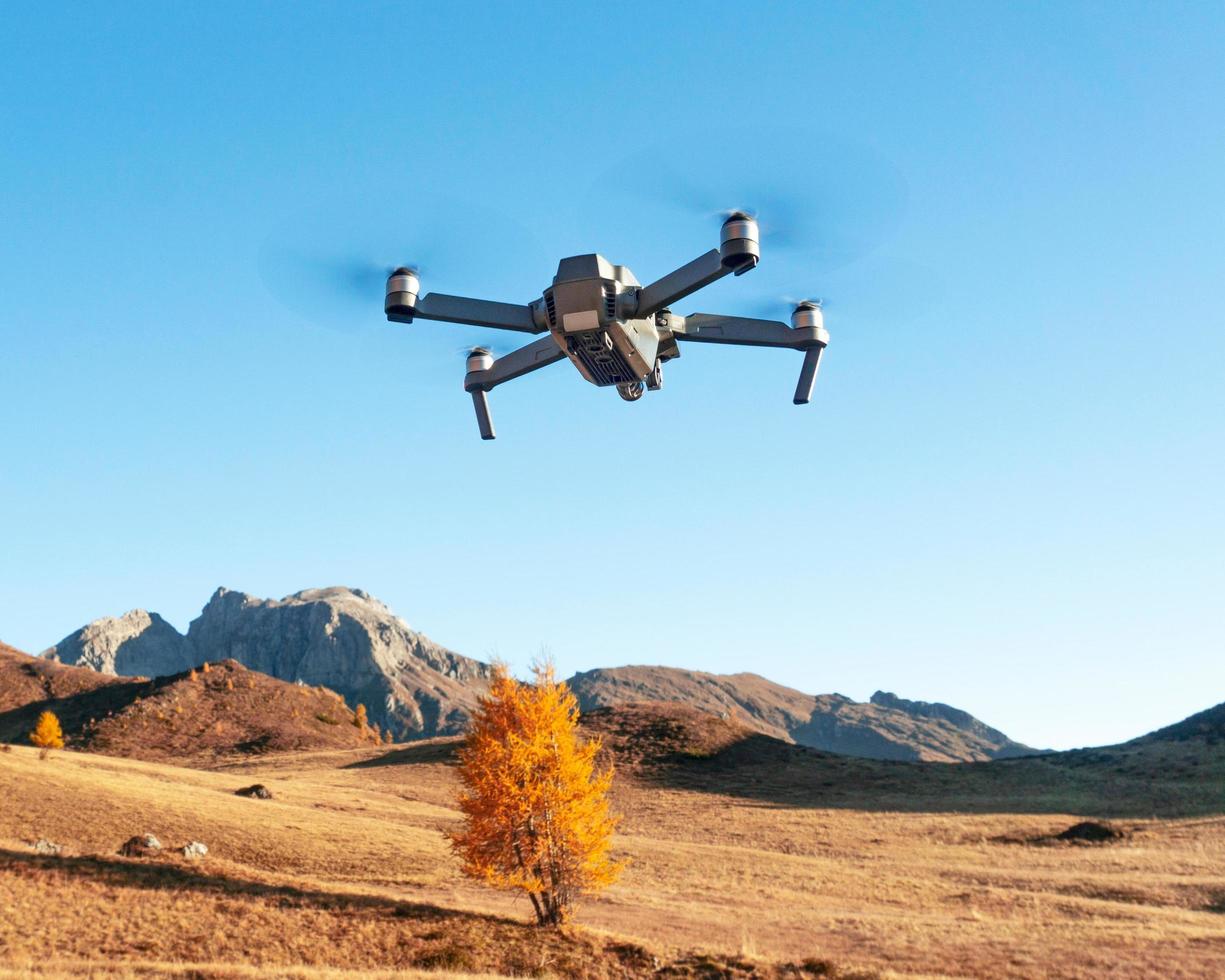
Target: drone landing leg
point(485, 374)
point(483, 419)
point(808, 376)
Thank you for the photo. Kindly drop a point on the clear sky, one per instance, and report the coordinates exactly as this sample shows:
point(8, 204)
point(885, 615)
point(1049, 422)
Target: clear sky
point(1006, 494)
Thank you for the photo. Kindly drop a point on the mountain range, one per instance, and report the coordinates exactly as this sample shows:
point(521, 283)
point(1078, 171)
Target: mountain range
point(348, 641)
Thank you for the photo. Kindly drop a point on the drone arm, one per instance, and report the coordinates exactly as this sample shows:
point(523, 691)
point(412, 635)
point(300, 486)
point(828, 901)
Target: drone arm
point(485, 374)
point(738, 252)
point(479, 312)
point(516, 364)
point(689, 278)
point(708, 328)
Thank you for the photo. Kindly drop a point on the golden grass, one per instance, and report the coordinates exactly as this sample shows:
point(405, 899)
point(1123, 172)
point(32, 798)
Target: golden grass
point(347, 869)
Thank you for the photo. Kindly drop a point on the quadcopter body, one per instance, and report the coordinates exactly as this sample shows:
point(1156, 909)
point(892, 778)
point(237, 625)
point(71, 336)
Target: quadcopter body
point(616, 332)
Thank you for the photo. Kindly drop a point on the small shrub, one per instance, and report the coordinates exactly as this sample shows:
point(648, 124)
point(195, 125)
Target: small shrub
point(326, 719)
point(450, 957)
point(47, 733)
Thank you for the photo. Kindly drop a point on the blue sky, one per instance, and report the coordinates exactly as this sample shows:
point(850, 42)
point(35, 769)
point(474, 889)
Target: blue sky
point(1006, 495)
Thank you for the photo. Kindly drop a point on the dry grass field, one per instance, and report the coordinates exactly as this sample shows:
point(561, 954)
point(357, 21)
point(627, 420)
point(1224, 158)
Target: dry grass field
point(346, 870)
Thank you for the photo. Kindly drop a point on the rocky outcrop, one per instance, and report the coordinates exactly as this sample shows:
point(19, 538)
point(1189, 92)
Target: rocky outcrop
point(903, 730)
point(340, 638)
point(1004, 746)
point(136, 644)
point(346, 640)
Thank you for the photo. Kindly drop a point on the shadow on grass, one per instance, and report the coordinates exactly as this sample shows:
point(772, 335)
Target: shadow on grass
point(1134, 781)
point(432, 752)
point(161, 875)
point(1114, 782)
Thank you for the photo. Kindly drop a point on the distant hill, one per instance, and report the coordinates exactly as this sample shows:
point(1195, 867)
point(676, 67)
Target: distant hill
point(887, 727)
point(195, 718)
point(26, 680)
point(1177, 771)
point(346, 640)
point(343, 639)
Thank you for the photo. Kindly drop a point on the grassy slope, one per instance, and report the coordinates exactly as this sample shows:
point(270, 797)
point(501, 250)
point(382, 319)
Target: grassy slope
point(193, 718)
point(347, 867)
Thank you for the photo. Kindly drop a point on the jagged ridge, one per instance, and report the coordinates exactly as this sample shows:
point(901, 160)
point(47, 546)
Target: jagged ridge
point(343, 639)
point(888, 727)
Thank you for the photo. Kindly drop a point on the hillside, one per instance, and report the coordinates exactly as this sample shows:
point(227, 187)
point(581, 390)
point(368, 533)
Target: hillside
point(346, 868)
point(25, 679)
point(343, 639)
point(674, 746)
point(348, 641)
point(200, 717)
point(887, 727)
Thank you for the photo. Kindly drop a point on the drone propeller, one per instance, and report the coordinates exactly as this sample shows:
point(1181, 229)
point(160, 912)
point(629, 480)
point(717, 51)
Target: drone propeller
point(329, 265)
point(493, 350)
point(781, 307)
point(829, 201)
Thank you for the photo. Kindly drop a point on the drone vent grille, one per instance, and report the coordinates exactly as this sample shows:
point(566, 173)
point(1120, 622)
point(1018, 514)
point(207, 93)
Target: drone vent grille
point(610, 300)
point(605, 363)
point(551, 306)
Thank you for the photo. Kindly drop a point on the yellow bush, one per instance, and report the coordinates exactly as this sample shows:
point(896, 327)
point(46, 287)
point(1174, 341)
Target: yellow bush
point(47, 733)
point(535, 810)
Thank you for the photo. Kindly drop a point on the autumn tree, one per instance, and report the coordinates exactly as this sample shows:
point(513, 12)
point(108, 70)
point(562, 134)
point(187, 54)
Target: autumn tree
point(47, 733)
point(535, 809)
point(359, 717)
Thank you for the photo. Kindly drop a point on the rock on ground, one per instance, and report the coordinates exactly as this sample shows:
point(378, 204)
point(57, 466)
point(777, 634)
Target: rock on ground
point(142, 845)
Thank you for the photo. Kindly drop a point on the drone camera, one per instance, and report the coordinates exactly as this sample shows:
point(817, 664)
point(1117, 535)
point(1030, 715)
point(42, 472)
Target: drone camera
point(401, 300)
point(740, 243)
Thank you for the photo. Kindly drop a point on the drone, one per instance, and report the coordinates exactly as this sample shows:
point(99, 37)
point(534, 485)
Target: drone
point(615, 331)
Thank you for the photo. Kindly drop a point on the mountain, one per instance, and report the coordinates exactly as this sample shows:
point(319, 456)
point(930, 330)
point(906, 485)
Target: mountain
point(25, 680)
point(346, 640)
point(340, 638)
point(197, 717)
point(1177, 771)
point(887, 727)
point(137, 643)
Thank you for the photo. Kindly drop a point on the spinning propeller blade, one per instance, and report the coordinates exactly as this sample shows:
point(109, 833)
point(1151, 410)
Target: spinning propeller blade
point(329, 264)
point(821, 199)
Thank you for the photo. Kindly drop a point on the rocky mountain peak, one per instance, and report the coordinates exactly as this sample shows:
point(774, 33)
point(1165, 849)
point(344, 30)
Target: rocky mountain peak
point(887, 727)
point(138, 643)
point(337, 637)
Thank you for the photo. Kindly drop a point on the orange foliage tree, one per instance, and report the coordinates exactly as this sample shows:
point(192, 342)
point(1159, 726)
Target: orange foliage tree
point(535, 809)
point(359, 717)
point(47, 733)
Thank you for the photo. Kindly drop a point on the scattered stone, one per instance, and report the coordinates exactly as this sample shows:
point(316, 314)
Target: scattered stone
point(257, 792)
point(142, 845)
point(194, 849)
point(1092, 831)
point(44, 846)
